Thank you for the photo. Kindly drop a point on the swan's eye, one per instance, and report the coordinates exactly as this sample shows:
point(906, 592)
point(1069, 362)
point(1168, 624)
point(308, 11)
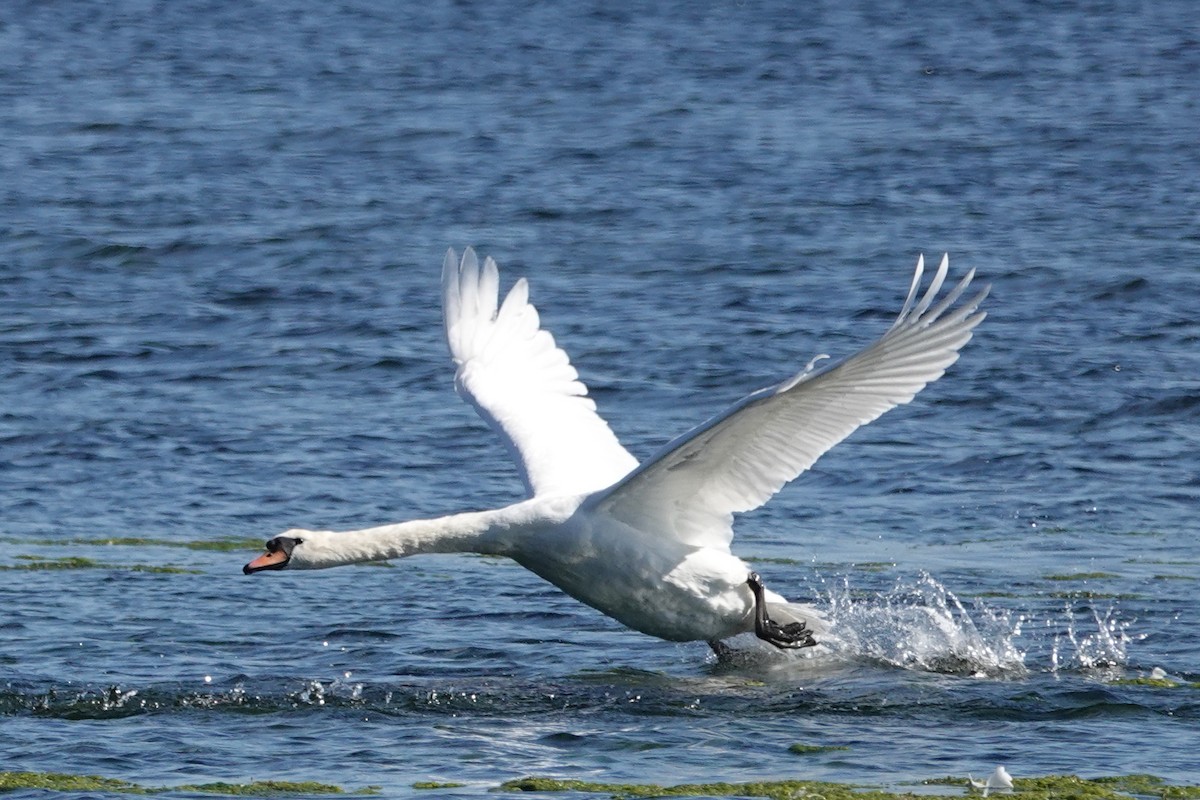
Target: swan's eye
point(299, 541)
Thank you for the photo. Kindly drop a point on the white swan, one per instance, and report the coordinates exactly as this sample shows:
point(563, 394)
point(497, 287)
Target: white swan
point(648, 544)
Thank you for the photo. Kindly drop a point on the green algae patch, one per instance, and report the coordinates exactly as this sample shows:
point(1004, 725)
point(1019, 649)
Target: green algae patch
point(778, 790)
point(1149, 785)
point(1114, 787)
point(1081, 576)
point(873, 566)
point(36, 563)
point(1050, 787)
point(1072, 787)
point(60, 782)
point(1154, 682)
point(267, 789)
point(163, 570)
point(789, 562)
point(802, 749)
point(1084, 594)
point(1157, 683)
point(219, 545)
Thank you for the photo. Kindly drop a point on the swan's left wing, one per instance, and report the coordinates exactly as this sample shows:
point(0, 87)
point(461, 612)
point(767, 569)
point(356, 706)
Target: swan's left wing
point(523, 384)
point(738, 460)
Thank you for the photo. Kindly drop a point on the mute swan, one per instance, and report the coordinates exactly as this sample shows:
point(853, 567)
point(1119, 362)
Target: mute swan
point(647, 544)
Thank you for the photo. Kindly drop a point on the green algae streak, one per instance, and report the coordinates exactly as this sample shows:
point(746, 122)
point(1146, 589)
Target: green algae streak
point(37, 562)
point(218, 545)
point(59, 782)
point(801, 749)
point(782, 790)
point(1050, 787)
point(1157, 683)
point(1081, 576)
point(267, 788)
point(31, 563)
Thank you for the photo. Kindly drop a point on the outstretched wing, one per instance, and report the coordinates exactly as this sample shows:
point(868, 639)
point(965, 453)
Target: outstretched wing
point(739, 459)
point(523, 385)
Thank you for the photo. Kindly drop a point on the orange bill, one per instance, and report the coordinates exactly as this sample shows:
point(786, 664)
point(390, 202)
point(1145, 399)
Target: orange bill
point(270, 560)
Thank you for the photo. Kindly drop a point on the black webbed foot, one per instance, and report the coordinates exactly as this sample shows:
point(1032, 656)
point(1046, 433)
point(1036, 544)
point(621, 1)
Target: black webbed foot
point(791, 636)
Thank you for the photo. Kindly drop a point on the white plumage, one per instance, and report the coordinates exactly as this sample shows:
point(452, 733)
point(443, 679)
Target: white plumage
point(523, 384)
point(738, 460)
point(646, 544)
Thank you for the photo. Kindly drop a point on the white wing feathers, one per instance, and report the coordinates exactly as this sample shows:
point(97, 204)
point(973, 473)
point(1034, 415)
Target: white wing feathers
point(739, 459)
point(523, 385)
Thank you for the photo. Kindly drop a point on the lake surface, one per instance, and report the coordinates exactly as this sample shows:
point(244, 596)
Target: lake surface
point(221, 231)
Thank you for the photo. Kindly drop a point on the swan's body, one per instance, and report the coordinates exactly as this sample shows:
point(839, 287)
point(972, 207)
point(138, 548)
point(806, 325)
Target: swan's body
point(648, 544)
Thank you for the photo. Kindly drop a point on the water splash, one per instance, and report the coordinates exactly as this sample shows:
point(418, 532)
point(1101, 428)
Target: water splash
point(1103, 648)
point(922, 625)
point(312, 694)
point(116, 698)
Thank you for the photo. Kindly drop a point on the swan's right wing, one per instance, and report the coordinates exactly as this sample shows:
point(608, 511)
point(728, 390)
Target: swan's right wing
point(523, 384)
point(738, 460)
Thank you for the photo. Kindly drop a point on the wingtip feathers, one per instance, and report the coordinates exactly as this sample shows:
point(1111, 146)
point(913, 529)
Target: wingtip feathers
point(523, 384)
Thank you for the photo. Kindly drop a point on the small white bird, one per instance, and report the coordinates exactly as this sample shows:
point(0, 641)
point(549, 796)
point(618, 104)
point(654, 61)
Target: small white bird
point(999, 780)
point(647, 544)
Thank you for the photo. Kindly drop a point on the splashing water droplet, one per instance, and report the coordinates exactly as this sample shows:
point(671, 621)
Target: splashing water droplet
point(924, 626)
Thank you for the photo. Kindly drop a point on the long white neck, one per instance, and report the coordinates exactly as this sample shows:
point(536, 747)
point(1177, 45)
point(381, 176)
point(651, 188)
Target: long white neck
point(477, 532)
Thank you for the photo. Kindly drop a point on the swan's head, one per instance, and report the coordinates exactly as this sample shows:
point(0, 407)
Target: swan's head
point(294, 549)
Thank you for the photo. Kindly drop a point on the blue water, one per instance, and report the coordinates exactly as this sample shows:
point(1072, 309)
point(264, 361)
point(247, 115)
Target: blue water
point(221, 229)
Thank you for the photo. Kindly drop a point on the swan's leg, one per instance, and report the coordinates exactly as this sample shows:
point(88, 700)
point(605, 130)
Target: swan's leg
point(792, 636)
point(722, 651)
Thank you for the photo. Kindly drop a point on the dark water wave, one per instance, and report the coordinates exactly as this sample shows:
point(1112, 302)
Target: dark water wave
point(624, 693)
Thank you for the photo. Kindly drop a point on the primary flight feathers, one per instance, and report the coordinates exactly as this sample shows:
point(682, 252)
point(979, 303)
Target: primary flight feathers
point(524, 386)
